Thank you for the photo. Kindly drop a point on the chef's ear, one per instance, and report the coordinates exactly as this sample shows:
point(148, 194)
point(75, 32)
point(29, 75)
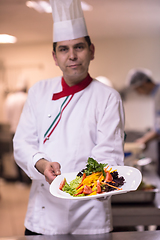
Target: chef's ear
point(55, 58)
point(92, 51)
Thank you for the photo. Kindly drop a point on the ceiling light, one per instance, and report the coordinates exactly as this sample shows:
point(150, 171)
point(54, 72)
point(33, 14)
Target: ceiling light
point(40, 6)
point(5, 38)
point(43, 6)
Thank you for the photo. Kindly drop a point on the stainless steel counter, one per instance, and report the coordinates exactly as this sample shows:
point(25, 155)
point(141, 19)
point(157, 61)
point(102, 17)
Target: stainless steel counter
point(146, 235)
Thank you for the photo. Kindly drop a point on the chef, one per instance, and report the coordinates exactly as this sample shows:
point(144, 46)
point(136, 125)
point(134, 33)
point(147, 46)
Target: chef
point(64, 121)
point(142, 82)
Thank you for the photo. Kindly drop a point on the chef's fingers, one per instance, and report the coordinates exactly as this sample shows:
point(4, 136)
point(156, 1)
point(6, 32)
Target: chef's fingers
point(50, 178)
point(51, 171)
point(101, 199)
point(56, 168)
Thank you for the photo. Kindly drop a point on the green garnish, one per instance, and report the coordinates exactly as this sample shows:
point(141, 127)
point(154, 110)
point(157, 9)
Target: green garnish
point(71, 188)
point(94, 166)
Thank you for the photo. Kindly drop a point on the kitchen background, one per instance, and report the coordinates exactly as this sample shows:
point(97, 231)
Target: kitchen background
point(126, 35)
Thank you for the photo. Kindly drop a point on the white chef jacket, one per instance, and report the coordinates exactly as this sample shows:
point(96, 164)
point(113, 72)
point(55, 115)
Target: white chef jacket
point(156, 98)
point(89, 123)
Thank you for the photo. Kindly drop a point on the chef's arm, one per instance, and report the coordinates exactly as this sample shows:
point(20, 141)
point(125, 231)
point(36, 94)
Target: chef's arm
point(148, 137)
point(110, 131)
point(49, 169)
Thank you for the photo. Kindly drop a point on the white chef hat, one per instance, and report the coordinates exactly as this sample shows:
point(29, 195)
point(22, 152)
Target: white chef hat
point(68, 20)
point(136, 77)
point(104, 80)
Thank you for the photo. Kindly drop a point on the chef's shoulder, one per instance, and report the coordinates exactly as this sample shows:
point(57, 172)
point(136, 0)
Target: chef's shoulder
point(104, 91)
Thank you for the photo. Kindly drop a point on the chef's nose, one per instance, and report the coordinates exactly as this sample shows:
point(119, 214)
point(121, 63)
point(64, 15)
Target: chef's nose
point(72, 54)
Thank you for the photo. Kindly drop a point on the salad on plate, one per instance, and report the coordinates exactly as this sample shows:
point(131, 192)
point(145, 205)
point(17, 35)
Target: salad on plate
point(96, 178)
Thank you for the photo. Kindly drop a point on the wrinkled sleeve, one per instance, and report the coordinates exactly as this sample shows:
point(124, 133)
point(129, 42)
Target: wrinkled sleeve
point(26, 140)
point(110, 131)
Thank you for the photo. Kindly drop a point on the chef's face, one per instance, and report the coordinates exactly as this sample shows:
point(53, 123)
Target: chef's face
point(73, 57)
point(144, 89)
point(141, 90)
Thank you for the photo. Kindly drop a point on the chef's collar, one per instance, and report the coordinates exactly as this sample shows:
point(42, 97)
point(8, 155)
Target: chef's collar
point(67, 90)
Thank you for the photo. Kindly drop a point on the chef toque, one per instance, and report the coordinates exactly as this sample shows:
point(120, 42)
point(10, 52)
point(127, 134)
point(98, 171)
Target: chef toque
point(68, 20)
point(136, 77)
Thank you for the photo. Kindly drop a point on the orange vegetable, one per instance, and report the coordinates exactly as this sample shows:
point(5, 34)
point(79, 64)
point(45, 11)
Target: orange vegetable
point(114, 186)
point(80, 192)
point(81, 184)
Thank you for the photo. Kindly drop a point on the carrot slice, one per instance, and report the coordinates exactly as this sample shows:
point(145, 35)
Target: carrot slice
point(81, 184)
point(114, 186)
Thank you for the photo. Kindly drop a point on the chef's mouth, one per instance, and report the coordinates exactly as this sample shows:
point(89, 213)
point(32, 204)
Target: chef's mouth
point(74, 65)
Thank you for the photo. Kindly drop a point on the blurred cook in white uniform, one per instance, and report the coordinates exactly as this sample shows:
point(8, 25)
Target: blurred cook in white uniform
point(142, 82)
point(66, 120)
point(105, 80)
point(13, 107)
point(14, 103)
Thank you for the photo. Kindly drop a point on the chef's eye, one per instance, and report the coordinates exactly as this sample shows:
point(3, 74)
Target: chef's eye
point(79, 47)
point(63, 49)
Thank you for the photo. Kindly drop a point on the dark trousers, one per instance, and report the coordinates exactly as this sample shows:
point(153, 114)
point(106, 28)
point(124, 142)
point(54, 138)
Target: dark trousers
point(28, 233)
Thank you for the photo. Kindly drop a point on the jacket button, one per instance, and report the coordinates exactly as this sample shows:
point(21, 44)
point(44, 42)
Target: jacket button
point(42, 185)
point(43, 207)
point(49, 115)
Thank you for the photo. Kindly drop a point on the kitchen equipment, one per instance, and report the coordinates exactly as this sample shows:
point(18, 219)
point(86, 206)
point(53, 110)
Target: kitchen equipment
point(138, 196)
point(144, 194)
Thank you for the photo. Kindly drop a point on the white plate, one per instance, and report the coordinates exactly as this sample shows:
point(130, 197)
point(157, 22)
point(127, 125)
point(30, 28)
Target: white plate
point(133, 178)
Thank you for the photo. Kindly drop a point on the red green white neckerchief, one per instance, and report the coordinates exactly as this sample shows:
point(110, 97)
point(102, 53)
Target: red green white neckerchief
point(67, 92)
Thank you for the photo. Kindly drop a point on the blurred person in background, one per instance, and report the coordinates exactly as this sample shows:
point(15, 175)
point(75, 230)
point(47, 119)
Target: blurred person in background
point(13, 107)
point(141, 81)
point(105, 80)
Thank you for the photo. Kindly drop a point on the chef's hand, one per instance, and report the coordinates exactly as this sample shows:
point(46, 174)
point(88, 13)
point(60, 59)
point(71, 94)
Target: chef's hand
point(49, 169)
point(101, 199)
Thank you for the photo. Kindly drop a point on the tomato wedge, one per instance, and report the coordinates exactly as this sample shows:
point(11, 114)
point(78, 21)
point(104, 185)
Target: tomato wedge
point(87, 190)
point(62, 183)
point(109, 177)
